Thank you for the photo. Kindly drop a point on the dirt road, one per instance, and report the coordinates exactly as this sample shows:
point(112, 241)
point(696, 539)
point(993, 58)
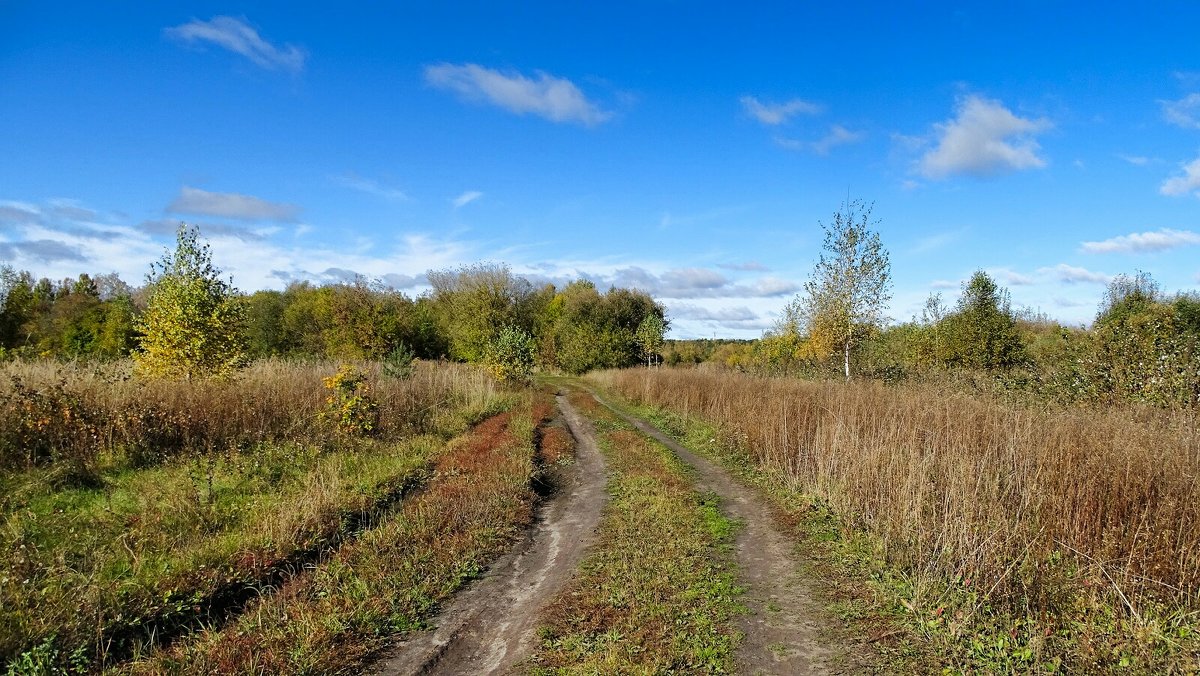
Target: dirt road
point(784, 630)
point(489, 628)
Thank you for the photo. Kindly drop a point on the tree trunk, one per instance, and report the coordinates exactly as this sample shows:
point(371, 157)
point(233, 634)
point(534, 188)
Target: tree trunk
point(846, 361)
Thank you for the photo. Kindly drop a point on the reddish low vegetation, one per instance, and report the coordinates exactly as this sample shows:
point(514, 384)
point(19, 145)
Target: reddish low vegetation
point(390, 579)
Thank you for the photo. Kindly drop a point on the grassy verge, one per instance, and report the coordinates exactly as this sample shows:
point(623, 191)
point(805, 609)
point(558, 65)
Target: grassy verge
point(658, 593)
point(1071, 616)
point(91, 574)
point(392, 578)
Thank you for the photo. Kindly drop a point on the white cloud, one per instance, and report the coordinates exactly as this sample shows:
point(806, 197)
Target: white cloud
point(466, 198)
point(944, 284)
point(983, 139)
point(740, 313)
point(1142, 242)
point(169, 226)
point(40, 250)
point(837, 136)
point(777, 113)
point(239, 37)
point(1068, 303)
point(19, 213)
point(1183, 184)
point(748, 266)
point(1071, 274)
point(556, 99)
point(62, 248)
point(1135, 160)
point(690, 279)
point(231, 205)
point(371, 187)
point(1185, 112)
point(1011, 277)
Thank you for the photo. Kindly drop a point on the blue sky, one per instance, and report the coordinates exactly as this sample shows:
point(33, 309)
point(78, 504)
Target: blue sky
point(689, 149)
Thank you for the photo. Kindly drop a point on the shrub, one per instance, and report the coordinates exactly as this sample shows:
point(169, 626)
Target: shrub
point(400, 363)
point(510, 355)
point(349, 405)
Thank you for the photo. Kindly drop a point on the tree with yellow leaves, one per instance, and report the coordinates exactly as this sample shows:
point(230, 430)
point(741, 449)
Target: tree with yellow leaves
point(851, 283)
point(193, 323)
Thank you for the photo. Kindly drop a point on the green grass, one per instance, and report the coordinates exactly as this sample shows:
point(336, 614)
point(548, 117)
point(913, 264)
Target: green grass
point(95, 574)
point(658, 593)
point(156, 544)
point(388, 581)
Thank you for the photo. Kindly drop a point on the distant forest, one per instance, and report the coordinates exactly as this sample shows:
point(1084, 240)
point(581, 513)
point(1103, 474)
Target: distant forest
point(575, 328)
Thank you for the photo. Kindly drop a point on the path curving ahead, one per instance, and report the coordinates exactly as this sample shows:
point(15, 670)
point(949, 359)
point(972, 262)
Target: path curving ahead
point(489, 627)
point(785, 630)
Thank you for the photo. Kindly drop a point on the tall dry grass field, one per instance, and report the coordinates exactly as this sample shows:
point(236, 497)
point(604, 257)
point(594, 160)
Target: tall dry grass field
point(82, 414)
point(1042, 512)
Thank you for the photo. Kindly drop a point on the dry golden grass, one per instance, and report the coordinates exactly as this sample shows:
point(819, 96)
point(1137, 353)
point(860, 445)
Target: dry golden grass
point(1026, 508)
point(87, 414)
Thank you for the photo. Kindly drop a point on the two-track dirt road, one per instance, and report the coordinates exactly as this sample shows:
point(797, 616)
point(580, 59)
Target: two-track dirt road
point(490, 627)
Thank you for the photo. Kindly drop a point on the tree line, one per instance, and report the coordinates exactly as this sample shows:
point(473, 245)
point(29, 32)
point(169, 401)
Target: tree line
point(478, 313)
point(1143, 346)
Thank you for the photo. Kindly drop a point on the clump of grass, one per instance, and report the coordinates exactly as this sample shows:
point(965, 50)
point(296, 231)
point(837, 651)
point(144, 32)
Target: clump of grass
point(392, 578)
point(1013, 538)
point(658, 593)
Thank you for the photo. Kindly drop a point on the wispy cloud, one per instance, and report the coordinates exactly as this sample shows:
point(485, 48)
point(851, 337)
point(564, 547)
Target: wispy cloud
point(371, 187)
point(1012, 277)
point(740, 313)
point(1182, 184)
point(169, 226)
point(747, 266)
point(241, 38)
point(837, 136)
point(41, 250)
point(1135, 160)
point(554, 98)
point(57, 246)
point(983, 139)
point(1184, 113)
point(1071, 274)
point(773, 114)
point(19, 213)
point(1144, 242)
point(466, 198)
point(231, 205)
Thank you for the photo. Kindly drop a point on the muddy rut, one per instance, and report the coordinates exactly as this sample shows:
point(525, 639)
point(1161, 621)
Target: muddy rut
point(786, 629)
point(489, 627)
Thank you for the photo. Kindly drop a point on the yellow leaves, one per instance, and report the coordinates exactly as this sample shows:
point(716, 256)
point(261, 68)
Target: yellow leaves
point(349, 406)
point(193, 322)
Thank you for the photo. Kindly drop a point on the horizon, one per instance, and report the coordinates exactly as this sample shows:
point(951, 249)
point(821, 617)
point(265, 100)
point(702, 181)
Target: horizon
point(686, 152)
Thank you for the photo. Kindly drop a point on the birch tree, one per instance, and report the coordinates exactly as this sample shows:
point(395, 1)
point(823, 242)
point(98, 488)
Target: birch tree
point(193, 323)
point(851, 284)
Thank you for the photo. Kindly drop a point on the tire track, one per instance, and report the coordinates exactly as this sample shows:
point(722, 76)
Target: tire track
point(489, 627)
point(786, 630)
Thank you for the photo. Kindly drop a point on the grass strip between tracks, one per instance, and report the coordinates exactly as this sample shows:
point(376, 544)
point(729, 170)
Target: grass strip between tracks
point(658, 593)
